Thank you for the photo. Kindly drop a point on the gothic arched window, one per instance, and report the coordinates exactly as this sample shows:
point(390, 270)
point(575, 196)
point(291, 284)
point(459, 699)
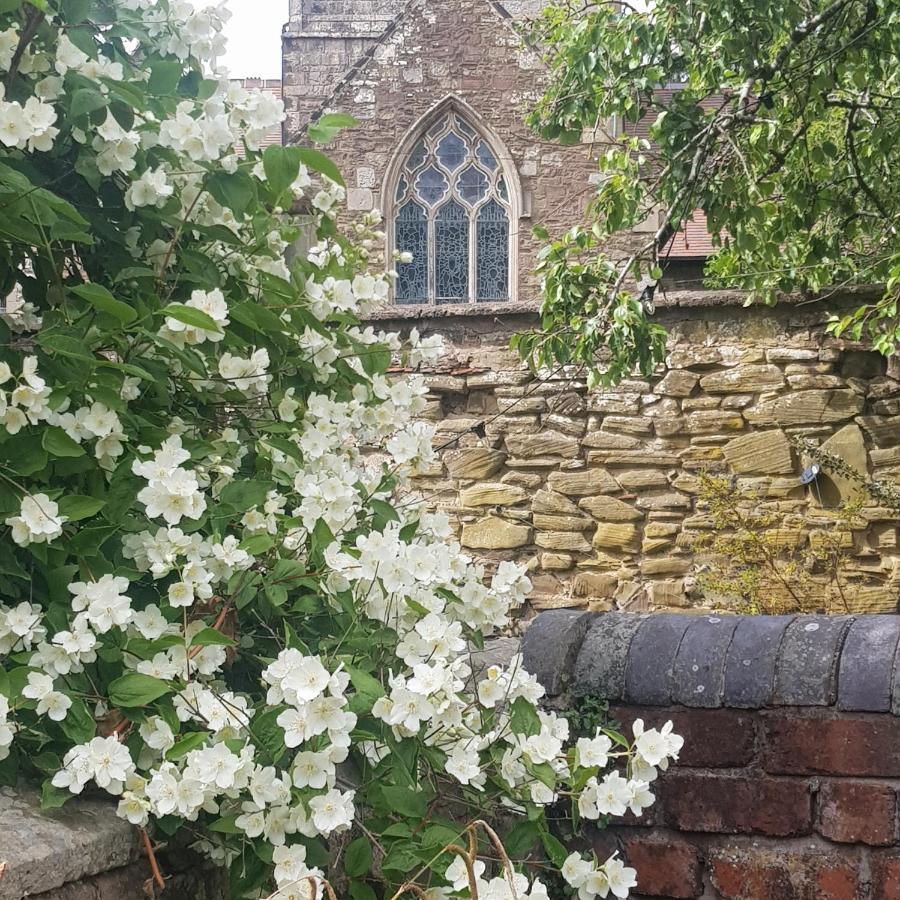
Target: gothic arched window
point(452, 212)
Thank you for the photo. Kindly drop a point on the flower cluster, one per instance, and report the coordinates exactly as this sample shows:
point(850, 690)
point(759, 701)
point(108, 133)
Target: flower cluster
point(592, 880)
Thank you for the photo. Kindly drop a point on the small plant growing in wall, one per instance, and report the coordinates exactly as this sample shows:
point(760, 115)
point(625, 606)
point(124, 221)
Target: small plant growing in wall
point(760, 561)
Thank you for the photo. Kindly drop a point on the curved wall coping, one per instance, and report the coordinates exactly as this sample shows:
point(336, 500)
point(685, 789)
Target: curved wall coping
point(850, 663)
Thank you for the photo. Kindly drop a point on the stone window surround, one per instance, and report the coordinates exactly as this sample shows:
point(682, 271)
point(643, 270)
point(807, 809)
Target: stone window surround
point(517, 211)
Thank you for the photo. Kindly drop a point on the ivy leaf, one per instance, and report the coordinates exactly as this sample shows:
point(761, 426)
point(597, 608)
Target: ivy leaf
point(184, 746)
point(100, 297)
point(57, 443)
point(75, 507)
point(135, 690)
point(358, 857)
point(196, 318)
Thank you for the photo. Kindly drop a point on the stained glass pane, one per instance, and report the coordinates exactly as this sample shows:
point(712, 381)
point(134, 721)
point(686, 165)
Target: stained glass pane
point(412, 237)
point(451, 151)
point(417, 157)
point(438, 127)
point(402, 188)
point(492, 239)
point(485, 157)
point(431, 185)
point(501, 190)
point(451, 234)
point(466, 129)
point(472, 185)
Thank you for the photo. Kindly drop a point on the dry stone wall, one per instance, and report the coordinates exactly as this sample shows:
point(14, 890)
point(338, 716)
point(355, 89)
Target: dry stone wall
point(598, 492)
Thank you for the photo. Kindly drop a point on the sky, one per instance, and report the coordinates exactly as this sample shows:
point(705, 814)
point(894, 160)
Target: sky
point(254, 37)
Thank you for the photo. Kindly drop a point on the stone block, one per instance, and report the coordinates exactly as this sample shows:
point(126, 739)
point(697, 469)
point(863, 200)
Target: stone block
point(760, 453)
point(551, 645)
point(677, 383)
point(545, 443)
point(584, 483)
point(850, 445)
point(474, 462)
point(562, 540)
point(608, 509)
point(594, 584)
point(46, 849)
point(856, 812)
point(743, 380)
point(665, 594)
point(492, 495)
point(666, 866)
point(807, 408)
point(556, 561)
point(641, 479)
point(553, 504)
point(543, 522)
point(883, 431)
point(616, 536)
point(694, 358)
point(636, 425)
point(712, 421)
point(806, 674)
point(493, 533)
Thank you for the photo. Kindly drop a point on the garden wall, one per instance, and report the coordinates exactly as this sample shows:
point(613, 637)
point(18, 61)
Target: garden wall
point(598, 491)
point(787, 784)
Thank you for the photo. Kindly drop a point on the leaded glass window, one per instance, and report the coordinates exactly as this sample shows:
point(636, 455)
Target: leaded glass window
point(453, 215)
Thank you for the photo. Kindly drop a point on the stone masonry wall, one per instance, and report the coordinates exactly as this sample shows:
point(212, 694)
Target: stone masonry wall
point(598, 491)
point(786, 788)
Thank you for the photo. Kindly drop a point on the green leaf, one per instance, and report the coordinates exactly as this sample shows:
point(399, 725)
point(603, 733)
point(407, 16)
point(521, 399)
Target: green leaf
point(244, 495)
point(524, 718)
point(75, 507)
point(53, 797)
point(365, 684)
point(57, 443)
point(282, 166)
point(359, 890)
point(79, 725)
point(134, 690)
point(521, 839)
point(165, 74)
point(235, 192)
point(319, 162)
point(358, 857)
point(225, 825)
point(209, 637)
point(410, 802)
point(196, 318)
point(268, 732)
point(338, 120)
point(86, 101)
point(65, 345)
point(77, 10)
point(554, 848)
point(102, 299)
point(184, 746)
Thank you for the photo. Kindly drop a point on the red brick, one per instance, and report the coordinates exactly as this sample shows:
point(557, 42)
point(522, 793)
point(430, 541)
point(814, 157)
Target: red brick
point(886, 876)
point(713, 738)
point(736, 804)
point(752, 874)
point(867, 745)
point(852, 812)
point(666, 866)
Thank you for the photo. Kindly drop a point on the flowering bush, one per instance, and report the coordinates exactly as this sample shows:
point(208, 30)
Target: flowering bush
point(217, 607)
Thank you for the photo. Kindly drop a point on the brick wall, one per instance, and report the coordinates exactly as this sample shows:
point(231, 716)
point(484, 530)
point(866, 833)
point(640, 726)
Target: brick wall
point(597, 492)
point(786, 788)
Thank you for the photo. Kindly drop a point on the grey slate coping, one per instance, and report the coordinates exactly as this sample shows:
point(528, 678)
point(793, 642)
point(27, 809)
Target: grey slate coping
point(45, 850)
point(851, 663)
point(699, 671)
point(551, 645)
point(752, 659)
point(648, 672)
point(867, 663)
point(808, 663)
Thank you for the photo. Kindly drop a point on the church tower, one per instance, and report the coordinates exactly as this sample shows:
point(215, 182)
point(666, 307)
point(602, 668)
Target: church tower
point(321, 42)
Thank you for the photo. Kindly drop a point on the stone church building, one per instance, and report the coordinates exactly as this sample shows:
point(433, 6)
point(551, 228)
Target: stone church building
point(599, 492)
